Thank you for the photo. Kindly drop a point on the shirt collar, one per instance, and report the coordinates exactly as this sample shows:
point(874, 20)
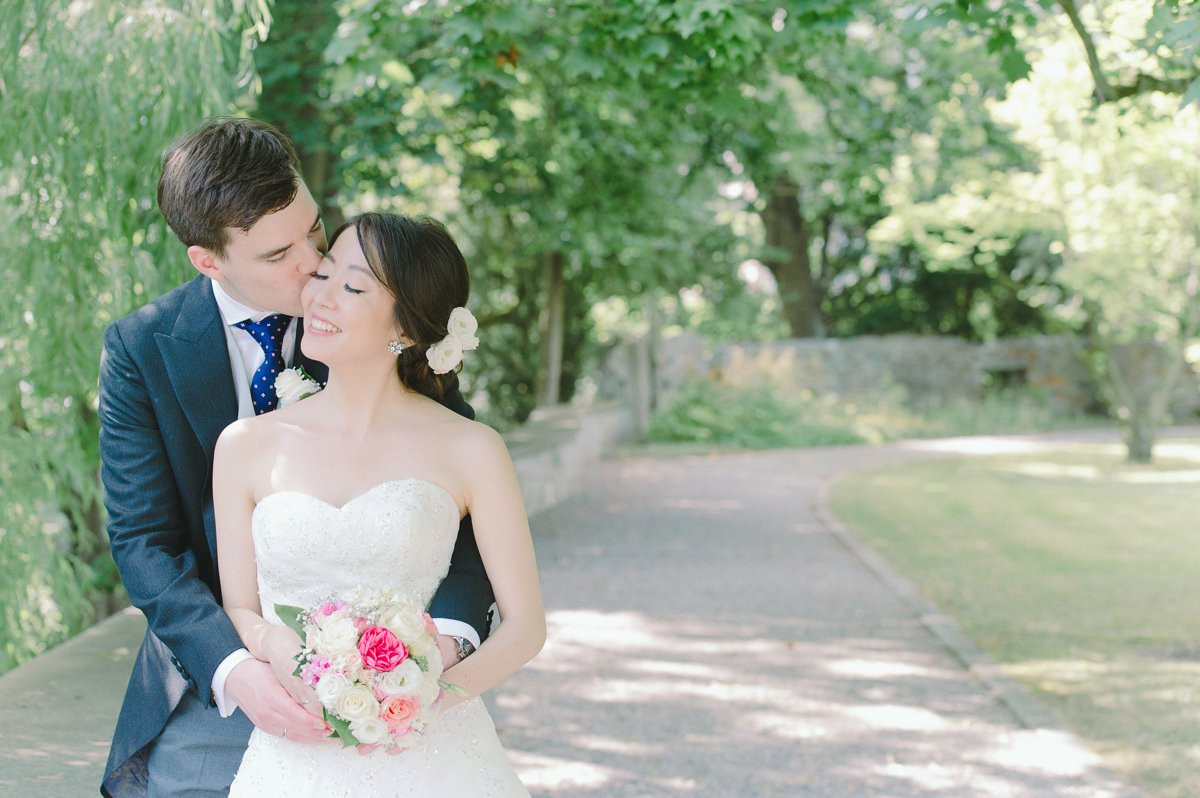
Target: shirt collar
point(232, 311)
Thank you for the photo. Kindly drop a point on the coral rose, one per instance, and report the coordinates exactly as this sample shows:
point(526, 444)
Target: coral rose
point(399, 712)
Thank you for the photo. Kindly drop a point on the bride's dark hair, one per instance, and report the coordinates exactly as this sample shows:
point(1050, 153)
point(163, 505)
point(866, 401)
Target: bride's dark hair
point(422, 267)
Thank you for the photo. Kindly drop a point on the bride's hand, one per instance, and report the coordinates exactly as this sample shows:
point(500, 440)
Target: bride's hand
point(282, 647)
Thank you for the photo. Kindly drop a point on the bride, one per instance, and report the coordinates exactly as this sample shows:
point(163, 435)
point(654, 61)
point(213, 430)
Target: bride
point(363, 485)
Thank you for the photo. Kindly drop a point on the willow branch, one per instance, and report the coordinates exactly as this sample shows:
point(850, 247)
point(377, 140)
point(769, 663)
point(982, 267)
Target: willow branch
point(1103, 90)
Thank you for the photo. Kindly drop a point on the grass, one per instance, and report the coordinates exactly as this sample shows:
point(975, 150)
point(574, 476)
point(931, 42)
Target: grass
point(1076, 572)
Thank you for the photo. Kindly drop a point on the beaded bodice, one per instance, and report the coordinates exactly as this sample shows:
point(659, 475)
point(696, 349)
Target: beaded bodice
point(399, 534)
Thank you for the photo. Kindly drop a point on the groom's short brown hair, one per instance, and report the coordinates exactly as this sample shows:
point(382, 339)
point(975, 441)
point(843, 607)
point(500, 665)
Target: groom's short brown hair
point(229, 172)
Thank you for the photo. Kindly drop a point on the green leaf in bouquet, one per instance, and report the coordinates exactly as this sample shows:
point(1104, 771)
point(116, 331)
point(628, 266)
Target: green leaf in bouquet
point(422, 662)
point(341, 729)
point(291, 618)
point(454, 688)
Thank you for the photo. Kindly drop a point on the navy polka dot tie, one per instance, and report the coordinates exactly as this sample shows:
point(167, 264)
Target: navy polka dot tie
point(269, 334)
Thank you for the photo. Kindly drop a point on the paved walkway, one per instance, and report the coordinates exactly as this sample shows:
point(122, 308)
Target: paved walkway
point(713, 631)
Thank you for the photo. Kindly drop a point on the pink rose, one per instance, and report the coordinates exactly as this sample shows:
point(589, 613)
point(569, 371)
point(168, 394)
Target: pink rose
point(313, 671)
point(380, 649)
point(330, 607)
point(399, 712)
point(430, 626)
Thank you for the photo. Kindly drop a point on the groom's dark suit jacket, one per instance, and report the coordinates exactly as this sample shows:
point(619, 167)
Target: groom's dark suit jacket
point(166, 393)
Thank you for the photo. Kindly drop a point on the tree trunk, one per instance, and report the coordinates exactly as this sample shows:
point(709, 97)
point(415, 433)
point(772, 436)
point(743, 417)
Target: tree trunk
point(292, 66)
point(654, 344)
point(551, 326)
point(1143, 373)
point(789, 260)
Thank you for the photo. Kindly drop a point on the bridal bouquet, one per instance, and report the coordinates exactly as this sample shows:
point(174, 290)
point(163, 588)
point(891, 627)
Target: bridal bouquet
point(373, 660)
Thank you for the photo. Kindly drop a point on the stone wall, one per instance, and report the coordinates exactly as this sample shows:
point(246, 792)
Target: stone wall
point(555, 448)
point(926, 368)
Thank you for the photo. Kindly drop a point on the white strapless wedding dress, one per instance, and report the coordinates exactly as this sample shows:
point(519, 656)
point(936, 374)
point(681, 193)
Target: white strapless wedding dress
point(399, 534)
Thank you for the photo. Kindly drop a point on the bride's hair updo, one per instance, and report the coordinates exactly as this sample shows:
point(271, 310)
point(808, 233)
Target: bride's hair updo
point(422, 267)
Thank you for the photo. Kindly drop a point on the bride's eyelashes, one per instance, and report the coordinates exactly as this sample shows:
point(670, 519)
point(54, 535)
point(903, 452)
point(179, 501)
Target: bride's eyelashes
point(346, 286)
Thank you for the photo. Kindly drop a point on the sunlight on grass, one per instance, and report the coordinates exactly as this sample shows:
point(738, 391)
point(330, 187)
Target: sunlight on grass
point(1076, 572)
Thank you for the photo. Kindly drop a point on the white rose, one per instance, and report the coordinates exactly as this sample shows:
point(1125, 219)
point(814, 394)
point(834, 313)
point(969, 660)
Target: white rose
point(463, 326)
point(331, 687)
point(444, 355)
point(337, 637)
point(406, 623)
point(292, 386)
point(357, 703)
point(404, 680)
point(426, 648)
point(369, 730)
point(429, 691)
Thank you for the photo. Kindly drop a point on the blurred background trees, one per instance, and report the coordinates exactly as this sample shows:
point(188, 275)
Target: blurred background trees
point(740, 168)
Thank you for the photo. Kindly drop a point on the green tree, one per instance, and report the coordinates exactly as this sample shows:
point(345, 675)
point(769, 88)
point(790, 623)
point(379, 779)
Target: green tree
point(1158, 54)
point(90, 94)
point(1121, 182)
point(553, 135)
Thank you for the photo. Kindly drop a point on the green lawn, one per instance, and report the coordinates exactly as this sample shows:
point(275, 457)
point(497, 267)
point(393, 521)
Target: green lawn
point(1079, 574)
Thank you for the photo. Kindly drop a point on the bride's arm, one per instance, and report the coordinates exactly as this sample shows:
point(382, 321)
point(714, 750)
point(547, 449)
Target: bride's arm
point(493, 498)
point(233, 506)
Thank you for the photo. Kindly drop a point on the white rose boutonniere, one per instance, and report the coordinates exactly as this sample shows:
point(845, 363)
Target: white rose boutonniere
point(295, 384)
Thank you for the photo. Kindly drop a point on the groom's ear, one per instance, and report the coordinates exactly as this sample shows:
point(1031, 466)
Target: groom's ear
point(205, 261)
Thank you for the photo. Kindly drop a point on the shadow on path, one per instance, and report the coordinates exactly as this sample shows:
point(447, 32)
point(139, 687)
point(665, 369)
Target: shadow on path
point(711, 634)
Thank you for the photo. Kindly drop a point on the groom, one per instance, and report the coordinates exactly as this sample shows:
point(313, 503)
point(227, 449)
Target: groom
point(172, 376)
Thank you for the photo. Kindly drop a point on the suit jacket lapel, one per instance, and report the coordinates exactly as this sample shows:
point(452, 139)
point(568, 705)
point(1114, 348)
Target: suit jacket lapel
point(196, 357)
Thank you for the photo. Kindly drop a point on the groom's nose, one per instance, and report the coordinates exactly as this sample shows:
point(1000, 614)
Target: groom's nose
point(310, 256)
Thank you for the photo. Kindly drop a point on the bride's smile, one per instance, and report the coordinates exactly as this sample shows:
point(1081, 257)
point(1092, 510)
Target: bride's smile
point(319, 325)
point(347, 309)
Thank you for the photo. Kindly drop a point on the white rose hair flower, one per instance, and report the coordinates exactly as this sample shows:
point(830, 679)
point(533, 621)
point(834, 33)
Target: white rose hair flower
point(447, 353)
point(463, 326)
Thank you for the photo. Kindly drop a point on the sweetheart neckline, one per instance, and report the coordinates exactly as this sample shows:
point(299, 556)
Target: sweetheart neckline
point(362, 495)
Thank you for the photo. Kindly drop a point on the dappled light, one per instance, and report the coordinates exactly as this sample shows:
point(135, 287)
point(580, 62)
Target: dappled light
point(948, 248)
point(1074, 570)
point(745, 672)
point(1067, 471)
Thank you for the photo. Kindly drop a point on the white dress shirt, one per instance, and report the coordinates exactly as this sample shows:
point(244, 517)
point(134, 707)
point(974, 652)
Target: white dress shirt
point(245, 356)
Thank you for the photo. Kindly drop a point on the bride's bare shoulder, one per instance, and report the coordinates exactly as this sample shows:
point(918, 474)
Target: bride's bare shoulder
point(477, 442)
point(248, 435)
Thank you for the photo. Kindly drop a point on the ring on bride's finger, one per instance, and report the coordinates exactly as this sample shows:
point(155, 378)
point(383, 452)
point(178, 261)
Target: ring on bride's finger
point(285, 733)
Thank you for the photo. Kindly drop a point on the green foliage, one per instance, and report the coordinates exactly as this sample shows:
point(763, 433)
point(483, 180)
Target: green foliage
point(726, 416)
point(764, 417)
point(637, 144)
point(90, 94)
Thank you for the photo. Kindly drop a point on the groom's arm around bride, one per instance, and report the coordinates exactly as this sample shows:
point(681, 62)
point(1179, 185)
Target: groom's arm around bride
point(173, 375)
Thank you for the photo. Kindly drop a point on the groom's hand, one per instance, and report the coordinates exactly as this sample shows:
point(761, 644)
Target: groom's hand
point(449, 648)
point(252, 684)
